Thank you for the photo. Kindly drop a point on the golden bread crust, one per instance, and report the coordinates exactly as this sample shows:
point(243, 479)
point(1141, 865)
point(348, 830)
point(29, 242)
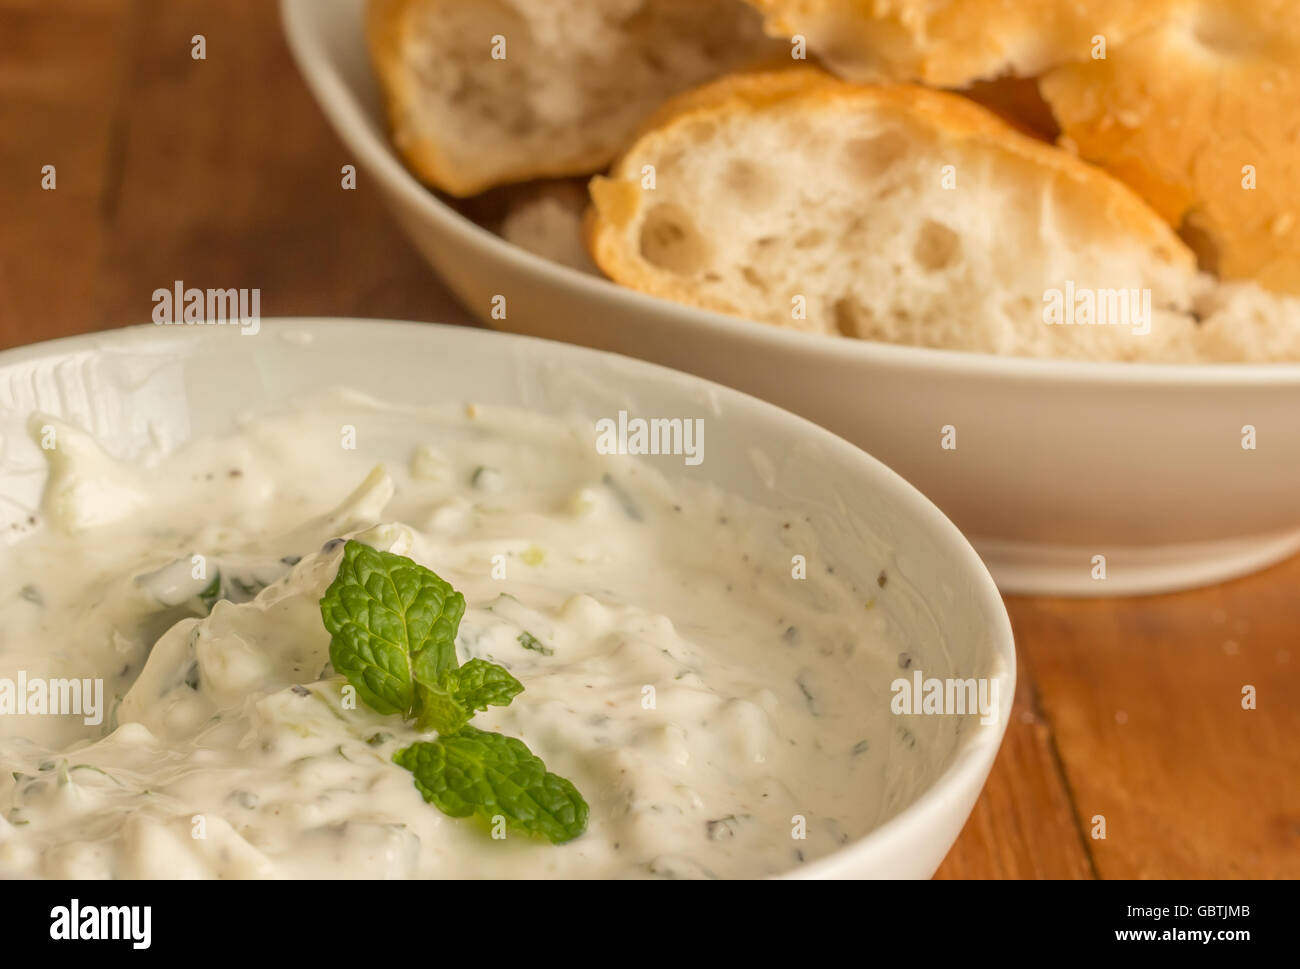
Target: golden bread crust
point(1187, 95)
point(961, 123)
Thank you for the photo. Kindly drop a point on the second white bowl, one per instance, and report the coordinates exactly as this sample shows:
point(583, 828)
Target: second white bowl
point(1071, 478)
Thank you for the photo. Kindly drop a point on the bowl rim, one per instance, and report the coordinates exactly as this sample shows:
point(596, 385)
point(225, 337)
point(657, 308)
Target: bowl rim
point(352, 123)
point(976, 751)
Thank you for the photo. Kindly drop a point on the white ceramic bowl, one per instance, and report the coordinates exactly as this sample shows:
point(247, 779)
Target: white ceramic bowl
point(131, 387)
point(1056, 462)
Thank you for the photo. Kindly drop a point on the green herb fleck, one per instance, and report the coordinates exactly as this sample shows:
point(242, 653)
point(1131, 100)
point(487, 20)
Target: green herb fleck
point(212, 593)
point(95, 770)
point(620, 493)
point(487, 479)
point(528, 641)
point(725, 828)
point(813, 706)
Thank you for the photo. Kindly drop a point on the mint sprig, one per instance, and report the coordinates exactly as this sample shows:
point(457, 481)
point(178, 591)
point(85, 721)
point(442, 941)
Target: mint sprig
point(489, 775)
point(393, 627)
point(480, 684)
point(463, 691)
point(392, 622)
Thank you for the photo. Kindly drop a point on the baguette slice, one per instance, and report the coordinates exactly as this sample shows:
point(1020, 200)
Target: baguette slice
point(1202, 117)
point(950, 43)
point(576, 78)
point(898, 214)
point(1186, 101)
point(546, 219)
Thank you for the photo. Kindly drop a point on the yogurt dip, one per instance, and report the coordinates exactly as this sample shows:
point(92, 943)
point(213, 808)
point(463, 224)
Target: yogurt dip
point(722, 715)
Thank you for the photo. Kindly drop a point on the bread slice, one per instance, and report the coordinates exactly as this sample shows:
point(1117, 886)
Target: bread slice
point(951, 43)
point(576, 78)
point(1241, 322)
point(546, 219)
point(1179, 99)
point(1202, 118)
point(898, 214)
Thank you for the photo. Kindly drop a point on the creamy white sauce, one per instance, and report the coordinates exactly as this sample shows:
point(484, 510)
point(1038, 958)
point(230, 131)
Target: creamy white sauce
point(770, 694)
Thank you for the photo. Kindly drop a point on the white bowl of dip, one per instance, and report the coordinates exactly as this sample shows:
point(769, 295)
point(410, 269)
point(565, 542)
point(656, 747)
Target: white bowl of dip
point(679, 571)
point(1071, 478)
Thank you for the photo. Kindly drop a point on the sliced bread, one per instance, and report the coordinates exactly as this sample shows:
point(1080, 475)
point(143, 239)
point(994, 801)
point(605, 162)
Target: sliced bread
point(1195, 104)
point(892, 213)
point(1201, 115)
point(950, 43)
point(487, 92)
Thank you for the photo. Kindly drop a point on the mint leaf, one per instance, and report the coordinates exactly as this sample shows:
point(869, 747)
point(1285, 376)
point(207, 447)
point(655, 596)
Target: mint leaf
point(392, 621)
point(439, 708)
point(480, 684)
point(460, 693)
point(474, 772)
point(392, 624)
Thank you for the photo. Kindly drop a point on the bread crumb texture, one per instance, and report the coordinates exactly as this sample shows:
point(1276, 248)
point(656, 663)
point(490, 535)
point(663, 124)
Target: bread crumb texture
point(907, 215)
point(1193, 103)
point(486, 92)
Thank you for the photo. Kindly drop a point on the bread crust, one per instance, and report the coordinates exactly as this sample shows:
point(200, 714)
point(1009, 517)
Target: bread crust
point(950, 43)
point(618, 198)
point(1187, 94)
point(1191, 127)
point(390, 31)
point(393, 32)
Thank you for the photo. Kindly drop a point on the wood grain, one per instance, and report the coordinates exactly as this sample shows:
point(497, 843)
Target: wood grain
point(1144, 697)
point(58, 91)
point(1023, 825)
point(222, 172)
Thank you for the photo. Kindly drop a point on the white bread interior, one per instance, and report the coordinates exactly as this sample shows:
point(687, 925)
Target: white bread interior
point(576, 78)
point(1195, 104)
point(546, 219)
point(780, 187)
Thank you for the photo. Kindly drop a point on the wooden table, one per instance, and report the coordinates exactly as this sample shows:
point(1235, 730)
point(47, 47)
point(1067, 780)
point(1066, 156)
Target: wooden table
point(223, 169)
